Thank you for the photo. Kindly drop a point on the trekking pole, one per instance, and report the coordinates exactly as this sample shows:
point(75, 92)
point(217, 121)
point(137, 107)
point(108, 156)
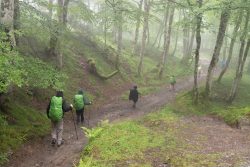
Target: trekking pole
point(88, 117)
point(74, 123)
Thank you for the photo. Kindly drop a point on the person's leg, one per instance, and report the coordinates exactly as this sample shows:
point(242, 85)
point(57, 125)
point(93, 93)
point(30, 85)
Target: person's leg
point(82, 116)
point(78, 115)
point(59, 132)
point(53, 132)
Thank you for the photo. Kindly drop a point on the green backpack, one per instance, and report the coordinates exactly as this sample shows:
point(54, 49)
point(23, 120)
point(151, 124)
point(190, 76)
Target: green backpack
point(78, 102)
point(56, 111)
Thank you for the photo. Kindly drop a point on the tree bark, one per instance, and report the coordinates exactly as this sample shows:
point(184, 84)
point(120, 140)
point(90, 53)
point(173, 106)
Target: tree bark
point(65, 12)
point(241, 60)
point(158, 34)
point(17, 23)
point(223, 26)
point(176, 38)
point(186, 40)
point(144, 36)
point(231, 48)
point(138, 23)
point(191, 43)
point(197, 55)
point(119, 44)
point(167, 39)
point(7, 19)
point(55, 42)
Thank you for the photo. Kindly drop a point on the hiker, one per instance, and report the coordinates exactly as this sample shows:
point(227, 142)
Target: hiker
point(172, 82)
point(55, 112)
point(134, 95)
point(80, 100)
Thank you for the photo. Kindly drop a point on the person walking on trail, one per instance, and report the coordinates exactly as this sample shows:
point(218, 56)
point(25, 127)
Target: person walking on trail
point(134, 95)
point(172, 82)
point(55, 112)
point(80, 100)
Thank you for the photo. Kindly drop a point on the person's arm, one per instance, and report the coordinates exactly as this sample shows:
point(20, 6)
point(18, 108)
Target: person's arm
point(86, 100)
point(66, 107)
point(48, 107)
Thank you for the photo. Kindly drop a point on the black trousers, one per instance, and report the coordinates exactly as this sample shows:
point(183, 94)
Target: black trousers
point(80, 115)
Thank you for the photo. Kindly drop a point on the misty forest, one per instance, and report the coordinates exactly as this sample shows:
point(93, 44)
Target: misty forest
point(124, 83)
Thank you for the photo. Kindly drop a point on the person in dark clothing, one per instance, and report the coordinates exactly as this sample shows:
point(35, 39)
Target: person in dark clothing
point(80, 100)
point(134, 95)
point(55, 112)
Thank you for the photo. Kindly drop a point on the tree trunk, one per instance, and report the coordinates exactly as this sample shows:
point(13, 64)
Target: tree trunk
point(119, 44)
point(197, 55)
point(176, 38)
point(144, 36)
point(191, 43)
point(7, 19)
point(50, 8)
point(224, 51)
point(239, 74)
point(138, 23)
point(185, 48)
point(167, 39)
point(159, 42)
point(241, 60)
point(55, 42)
point(158, 34)
point(17, 22)
point(65, 12)
point(231, 48)
point(223, 26)
point(148, 31)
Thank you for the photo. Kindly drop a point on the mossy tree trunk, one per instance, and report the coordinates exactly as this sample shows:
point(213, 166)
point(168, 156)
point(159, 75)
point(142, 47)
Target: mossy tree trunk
point(144, 36)
point(167, 40)
point(220, 37)
point(7, 19)
point(137, 28)
point(119, 44)
point(197, 55)
point(244, 49)
point(231, 47)
point(17, 23)
point(58, 27)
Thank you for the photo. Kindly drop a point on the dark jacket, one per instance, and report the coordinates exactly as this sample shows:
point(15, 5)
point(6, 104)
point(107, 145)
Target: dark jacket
point(133, 95)
point(65, 107)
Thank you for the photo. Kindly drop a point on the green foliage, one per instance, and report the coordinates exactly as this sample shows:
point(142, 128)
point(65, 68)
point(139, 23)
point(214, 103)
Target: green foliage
point(218, 106)
point(42, 75)
point(153, 139)
point(119, 142)
point(9, 60)
point(92, 134)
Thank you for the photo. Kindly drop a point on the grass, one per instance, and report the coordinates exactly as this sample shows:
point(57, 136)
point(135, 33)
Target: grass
point(231, 114)
point(20, 124)
point(150, 141)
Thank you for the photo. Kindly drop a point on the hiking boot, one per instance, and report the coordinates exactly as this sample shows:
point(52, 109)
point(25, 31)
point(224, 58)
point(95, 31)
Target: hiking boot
point(60, 143)
point(53, 142)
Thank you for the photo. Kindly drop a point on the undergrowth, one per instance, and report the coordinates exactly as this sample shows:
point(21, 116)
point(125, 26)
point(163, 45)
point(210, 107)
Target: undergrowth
point(19, 125)
point(217, 105)
point(150, 141)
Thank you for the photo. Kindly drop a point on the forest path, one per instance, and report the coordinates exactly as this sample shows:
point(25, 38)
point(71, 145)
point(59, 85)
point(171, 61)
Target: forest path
point(42, 154)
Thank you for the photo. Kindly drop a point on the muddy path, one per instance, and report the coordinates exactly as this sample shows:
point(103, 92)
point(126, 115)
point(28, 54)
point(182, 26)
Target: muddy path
point(42, 154)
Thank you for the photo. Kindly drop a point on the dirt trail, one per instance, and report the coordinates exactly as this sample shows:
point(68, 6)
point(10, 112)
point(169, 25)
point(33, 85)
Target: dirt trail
point(41, 154)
